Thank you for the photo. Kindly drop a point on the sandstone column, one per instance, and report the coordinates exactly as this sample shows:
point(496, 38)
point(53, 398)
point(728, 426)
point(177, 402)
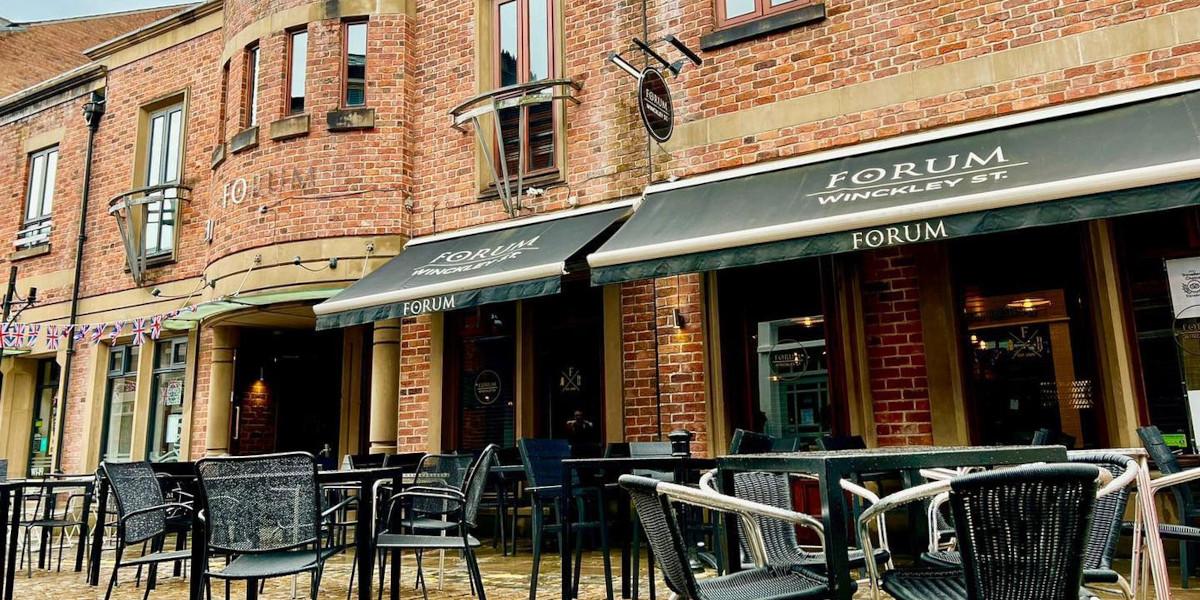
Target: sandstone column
point(220, 390)
point(385, 385)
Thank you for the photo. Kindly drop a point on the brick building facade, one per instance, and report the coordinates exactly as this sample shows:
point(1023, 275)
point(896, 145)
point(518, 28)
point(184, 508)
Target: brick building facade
point(299, 146)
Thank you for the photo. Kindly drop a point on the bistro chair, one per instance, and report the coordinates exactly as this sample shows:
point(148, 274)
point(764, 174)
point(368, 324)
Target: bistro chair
point(373, 460)
point(654, 500)
point(265, 511)
point(47, 520)
point(1022, 534)
point(455, 502)
point(143, 515)
point(543, 476)
point(749, 442)
point(432, 515)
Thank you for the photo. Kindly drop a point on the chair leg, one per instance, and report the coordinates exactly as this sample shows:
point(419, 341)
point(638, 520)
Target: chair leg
point(28, 565)
point(350, 586)
point(62, 536)
point(473, 568)
point(251, 589)
point(604, 549)
point(537, 551)
point(112, 579)
point(578, 561)
point(635, 558)
point(1185, 565)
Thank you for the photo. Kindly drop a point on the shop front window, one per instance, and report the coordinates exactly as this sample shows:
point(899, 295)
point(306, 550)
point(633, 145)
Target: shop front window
point(775, 351)
point(120, 398)
point(44, 410)
point(166, 416)
point(1027, 337)
point(481, 376)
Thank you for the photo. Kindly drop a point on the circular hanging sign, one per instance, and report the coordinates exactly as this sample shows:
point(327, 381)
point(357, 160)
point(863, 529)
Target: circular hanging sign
point(654, 104)
point(487, 387)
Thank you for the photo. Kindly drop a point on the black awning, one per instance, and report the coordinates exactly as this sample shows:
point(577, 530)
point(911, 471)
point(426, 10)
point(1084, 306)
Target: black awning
point(518, 259)
point(1108, 159)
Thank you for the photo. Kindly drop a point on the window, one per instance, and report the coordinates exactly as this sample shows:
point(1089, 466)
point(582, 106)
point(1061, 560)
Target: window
point(43, 166)
point(354, 40)
point(732, 12)
point(119, 401)
point(251, 108)
point(222, 114)
point(166, 405)
point(44, 410)
point(163, 150)
point(296, 75)
point(524, 54)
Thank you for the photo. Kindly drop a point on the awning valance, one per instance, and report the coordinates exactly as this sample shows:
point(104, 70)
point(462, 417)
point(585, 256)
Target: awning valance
point(1107, 157)
point(516, 259)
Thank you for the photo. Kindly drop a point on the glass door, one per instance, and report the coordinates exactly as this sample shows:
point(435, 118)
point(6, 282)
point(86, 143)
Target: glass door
point(793, 379)
point(481, 377)
point(45, 407)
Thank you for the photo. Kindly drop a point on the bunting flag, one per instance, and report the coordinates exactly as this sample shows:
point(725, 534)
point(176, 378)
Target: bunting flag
point(81, 332)
point(31, 335)
point(9, 337)
point(52, 337)
point(139, 331)
point(156, 327)
point(116, 331)
point(98, 332)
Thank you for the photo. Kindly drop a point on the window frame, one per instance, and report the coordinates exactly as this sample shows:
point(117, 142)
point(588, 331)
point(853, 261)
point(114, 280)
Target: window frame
point(288, 68)
point(343, 101)
point(128, 367)
point(43, 220)
point(523, 38)
point(762, 10)
point(251, 75)
point(160, 255)
point(223, 110)
point(159, 370)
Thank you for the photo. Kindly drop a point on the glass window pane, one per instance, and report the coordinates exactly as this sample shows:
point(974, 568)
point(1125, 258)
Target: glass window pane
point(122, 395)
point(356, 64)
point(154, 152)
point(252, 99)
point(539, 40)
point(298, 72)
point(37, 174)
point(775, 3)
point(737, 8)
point(173, 146)
point(180, 353)
point(509, 44)
point(48, 191)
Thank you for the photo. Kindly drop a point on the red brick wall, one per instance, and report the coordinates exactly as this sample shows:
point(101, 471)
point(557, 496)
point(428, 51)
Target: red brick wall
point(895, 349)
point(412, 419)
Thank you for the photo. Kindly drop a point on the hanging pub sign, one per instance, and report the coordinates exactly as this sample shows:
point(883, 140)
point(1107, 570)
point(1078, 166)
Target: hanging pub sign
point(654, 104)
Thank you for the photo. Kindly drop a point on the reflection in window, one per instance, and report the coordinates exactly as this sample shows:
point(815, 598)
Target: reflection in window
point(44, 410)
point(356, 64)
point(163, 150)
point(251, 111)
point(39, 198)
point(166, 416)
point(120, 399)
point(297, 76)
point(524, 53)
point(738, 11)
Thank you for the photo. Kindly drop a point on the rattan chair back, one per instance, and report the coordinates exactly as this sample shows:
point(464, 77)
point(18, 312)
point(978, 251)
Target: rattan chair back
point(1108, 512)
point(261, 503)
point(779, 537)
point(1022, 531)
point(663, 531)
point(135, 487)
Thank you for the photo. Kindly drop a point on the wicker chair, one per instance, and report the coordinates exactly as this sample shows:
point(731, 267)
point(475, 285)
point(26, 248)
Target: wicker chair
point(654, 498)
point(442, 493)
point(1022, 532)
point(143, 514)
point(265, 511)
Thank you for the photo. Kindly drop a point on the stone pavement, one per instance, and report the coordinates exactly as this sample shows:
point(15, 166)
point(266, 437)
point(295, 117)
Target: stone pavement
point(506, 578)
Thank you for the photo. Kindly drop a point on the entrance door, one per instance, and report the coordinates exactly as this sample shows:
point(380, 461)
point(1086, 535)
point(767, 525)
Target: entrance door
point(44, 408)
point(568, 347)
point(481, 366)
point(793, 380)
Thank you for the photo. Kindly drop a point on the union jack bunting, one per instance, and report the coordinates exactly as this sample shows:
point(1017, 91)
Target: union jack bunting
point(81, 331)
point(31, 335)
point(156, 327)
point(139, 331)
point(19, 335)
point(53, 337)
point(10, 335)
point(116, 332)
point(98, 332)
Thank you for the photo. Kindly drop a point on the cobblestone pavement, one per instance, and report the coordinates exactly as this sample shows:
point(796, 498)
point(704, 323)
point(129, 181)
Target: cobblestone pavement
point(506, 578)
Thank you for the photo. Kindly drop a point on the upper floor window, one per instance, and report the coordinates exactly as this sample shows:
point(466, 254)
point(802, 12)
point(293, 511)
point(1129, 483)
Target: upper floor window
point(164, 147)
point(39, 197)
point(354, 40)
point(732, 12)
point(524, 54)
point(251, 109)
point(296, 73)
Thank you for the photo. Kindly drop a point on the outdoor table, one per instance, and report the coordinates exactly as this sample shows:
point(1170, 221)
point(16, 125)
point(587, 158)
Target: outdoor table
point(608, 469)
point(10, 521)
point(833, 466)
point(507, 476)
point(364, 536)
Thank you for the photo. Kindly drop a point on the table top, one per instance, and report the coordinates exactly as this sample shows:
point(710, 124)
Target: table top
point(360, 475)
point(641, 462)
point(898, 457)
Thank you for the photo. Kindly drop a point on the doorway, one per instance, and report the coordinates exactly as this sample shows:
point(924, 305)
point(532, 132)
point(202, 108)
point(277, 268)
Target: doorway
point(288, 391)
point(568, 365)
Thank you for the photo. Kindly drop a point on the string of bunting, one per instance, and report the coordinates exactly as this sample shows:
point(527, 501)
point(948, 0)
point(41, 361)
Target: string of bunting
point(22, 336)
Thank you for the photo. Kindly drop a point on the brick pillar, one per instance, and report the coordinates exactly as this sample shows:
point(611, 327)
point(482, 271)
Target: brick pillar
point(895, 348)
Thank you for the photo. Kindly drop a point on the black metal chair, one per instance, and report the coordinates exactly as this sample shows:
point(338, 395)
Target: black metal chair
point(666, 541)
point(1022, 533)
point(1183, 532)
point(749, 442)
point(143, 515)
point(543, 475)
point(373, 460)
point(265, 511)
point(47, 520)
point(445, 499)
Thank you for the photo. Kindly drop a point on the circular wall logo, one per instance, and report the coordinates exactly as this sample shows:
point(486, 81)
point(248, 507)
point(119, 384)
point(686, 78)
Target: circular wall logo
point(654, 104)
point(487, 387)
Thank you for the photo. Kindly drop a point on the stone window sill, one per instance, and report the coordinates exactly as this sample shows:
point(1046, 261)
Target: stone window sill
point(30, 252)
point(761, 27)
point(350, 119)
point(289, 127)
point(244, 140)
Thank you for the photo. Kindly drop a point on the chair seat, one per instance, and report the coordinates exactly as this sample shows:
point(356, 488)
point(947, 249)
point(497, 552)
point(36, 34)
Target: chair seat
point(1100, 576)
point(157, 557)
point(52, 523)
point(933, 584)
point(1171, 531)
point(403, 541)
point(764, 584)
point(942, 559)
point(427, 524)
point(815, 561)
point(272, 564)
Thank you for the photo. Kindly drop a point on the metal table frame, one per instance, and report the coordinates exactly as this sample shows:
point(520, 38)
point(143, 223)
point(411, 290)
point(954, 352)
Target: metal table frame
point(832, 467)
point(611, 468)
point(10, 522)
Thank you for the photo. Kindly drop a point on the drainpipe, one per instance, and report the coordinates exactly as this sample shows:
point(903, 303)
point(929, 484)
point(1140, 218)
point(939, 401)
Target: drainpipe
point(92, 111)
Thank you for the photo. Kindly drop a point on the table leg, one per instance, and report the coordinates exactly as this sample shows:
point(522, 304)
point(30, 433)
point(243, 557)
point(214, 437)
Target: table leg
point(51, 499)
point(83, 527)
point(833, 513)
point(93, 577)
point(364, 538)
point(918, 517)
point(14, 528)
point(625, 518)
point(733, 551)
point(5, 508)
point(198, 563)
point(502, 511)
point(564, 520)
